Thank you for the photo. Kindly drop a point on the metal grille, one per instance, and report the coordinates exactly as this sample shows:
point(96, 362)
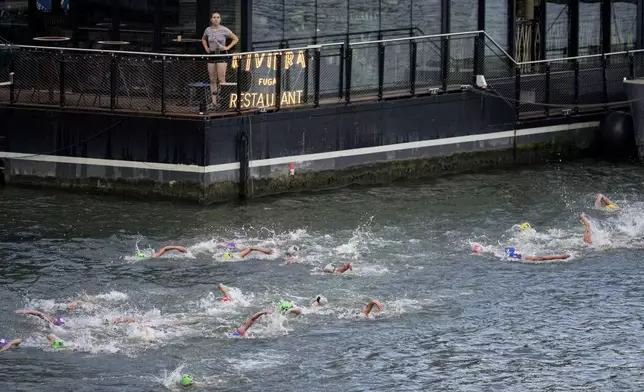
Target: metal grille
point(428, 64)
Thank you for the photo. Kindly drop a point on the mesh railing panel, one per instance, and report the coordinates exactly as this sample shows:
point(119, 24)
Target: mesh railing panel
point(364, 70)
point(87, 79)
point(331, 62)
point(591, 90)
point(428, 64)
point(138, 83)
point(617, 68)
point(533, 90)
point(397, 67)
point(461, 60)
point(38, 77)
point(638, 64)
point(562, 85)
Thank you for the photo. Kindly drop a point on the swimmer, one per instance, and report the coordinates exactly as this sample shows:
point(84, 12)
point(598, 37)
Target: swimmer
point(287, 307)
point(163, 250)
point(374, 302)
point(319, 301)
point(245, 252)
point(242, 329)
point(229, 244)
point(50, 319)
point(7, 344)
point(122, 320)
point(587, 237)
point(603, 201)
point(226, 297)
point(330, 268)
point(525, 226)
point(55, 342)
point(513, 253)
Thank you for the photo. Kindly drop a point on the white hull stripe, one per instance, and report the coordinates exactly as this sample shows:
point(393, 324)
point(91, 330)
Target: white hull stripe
point(297, 158)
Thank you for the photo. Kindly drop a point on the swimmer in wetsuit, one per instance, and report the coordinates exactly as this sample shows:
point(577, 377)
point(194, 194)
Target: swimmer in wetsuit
point(50, 319)
point(511, 252)
point(603, 201)
point(319, 301)
point(288, 307)
point(7, 344)
point(55, 342)
point(374, 302)
point(242, 329)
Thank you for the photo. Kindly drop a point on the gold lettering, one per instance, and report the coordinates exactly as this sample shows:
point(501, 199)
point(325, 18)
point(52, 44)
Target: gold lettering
point(269, 60)
point(260, 101)
point(259, 59)
point(288, 61)
point(235, 62)
point(248, 60)
point(270, 100)
point(284, 100)
point(246, 103)
point(299, 96)
point(301, 59)
point(233, 101)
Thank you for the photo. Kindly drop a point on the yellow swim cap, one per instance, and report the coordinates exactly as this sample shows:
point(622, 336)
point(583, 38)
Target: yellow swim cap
point(227, 255)
point(525, 226)
point(611, 206)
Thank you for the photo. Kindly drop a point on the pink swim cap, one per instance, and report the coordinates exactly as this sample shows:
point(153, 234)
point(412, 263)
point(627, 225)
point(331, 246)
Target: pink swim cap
point(477, 248)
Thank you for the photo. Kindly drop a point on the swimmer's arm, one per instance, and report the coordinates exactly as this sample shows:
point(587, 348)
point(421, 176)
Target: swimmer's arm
point(246, 251)
point(224, 291)
point(598, 200)
point(374, 302)
point(14, 342)
point(547, 258)
point(34, 313)
point(296, 310)
point(123, 320)
point(167, 248)
point(74, 305)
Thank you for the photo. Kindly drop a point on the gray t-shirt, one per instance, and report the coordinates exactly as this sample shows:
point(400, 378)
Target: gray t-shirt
point(218, 36)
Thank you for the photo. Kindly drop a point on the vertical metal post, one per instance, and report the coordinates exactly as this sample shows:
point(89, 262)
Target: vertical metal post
point(547, 97)
point(543, 32)
point(606, 25)
point(512, 27)
point(631, 68)
point(240, 73)
point(517, 91)
point(163, 97)
point(316, 97)
point(445, 62)
point(341, 73)
point(307, 53)
point(573, 19)
point(604, 81)
point(576, 67)
point(61, 77)
point(479, 56)
point(412, 67)
point(278, 80)
point(349, 61)
point(113, 81)
point(381, 69)
point(246, 36)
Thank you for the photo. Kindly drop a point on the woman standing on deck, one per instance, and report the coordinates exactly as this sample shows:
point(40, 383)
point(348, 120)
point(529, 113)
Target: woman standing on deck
point(214, 42)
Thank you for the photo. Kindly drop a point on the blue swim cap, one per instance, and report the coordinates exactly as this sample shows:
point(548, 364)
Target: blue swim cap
point(235, 333)
point(512, 252)
point(59, 321)
point(3, 342)
point(231, 244)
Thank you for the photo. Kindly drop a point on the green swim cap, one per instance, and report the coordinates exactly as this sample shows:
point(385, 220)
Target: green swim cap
point(186, 380)
point(285, 305)
point(227, 255)
point(57, 343)
point(140, 255)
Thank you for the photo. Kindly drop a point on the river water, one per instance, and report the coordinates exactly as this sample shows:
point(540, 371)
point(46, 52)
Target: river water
point(451, 320)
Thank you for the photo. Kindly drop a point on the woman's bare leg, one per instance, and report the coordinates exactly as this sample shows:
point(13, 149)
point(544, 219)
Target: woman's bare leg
point(212, 74)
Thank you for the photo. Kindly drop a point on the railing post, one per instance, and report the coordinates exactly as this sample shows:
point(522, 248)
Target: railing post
point(341, 73)
point(631, 68)
point(278, 80)
point(163, 97)
point(307, 53)
point(316, 97)
point(61, 77)
point(240, 62)
point(547, 97)
point(412, 67)
point(479, 56)
point(517, 91)
point(113, 79)
point(576, 68)
point(381, 69)
point(12, 79)
point(349, 60)
point(445, 62)
point(604, 82)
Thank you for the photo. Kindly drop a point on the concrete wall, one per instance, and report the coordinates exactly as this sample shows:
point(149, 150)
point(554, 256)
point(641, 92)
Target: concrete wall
point(329, 147)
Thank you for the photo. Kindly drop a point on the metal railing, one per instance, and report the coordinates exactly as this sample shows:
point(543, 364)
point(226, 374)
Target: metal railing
point(312, 76)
